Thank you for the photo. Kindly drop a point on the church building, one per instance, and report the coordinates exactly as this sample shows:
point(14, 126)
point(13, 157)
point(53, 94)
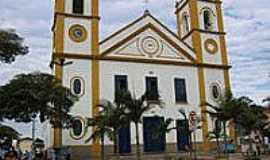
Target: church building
point(187, 69)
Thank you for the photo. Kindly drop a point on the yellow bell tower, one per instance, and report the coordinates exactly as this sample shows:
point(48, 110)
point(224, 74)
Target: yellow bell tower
point(200, 24)
point(76, 34)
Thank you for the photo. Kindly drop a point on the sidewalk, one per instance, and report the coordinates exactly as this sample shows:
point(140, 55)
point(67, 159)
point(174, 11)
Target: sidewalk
point(173, 156)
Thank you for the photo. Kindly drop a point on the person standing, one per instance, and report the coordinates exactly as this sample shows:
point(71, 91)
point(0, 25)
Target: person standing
point(11, 155)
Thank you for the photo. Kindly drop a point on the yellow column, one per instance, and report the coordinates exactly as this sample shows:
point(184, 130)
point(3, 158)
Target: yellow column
point(95, 149)
point(196, 40)
point(224, 56)
point(59, 48)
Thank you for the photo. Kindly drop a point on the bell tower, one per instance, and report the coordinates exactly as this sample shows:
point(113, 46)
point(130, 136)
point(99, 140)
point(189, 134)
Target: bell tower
point(200, 25)
point(76, 40)
point(75, 28)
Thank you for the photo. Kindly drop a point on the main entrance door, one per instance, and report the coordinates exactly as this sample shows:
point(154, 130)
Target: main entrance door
point(153, 142)
point(124, 140)
point(183, 136)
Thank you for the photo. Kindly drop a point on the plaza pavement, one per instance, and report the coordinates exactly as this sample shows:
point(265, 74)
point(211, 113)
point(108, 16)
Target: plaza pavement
point(236, 156)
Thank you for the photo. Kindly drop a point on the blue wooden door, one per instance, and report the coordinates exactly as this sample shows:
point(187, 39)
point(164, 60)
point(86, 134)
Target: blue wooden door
point(153, 142)
point(124, 140)
point(183, 136)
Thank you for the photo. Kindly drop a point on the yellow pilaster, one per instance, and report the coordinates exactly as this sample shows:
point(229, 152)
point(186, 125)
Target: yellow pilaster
point(95, 149)
point(196, 40)
point(178, 25)
point(224, 56)
point(58, 39)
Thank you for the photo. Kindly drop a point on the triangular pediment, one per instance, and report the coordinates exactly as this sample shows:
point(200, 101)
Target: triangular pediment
point(146, 38)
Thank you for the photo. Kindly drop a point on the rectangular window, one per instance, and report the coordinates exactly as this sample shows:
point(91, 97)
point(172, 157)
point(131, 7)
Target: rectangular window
point(180, 90)
point(121, 83)
point(78, 6)
point(152, 88)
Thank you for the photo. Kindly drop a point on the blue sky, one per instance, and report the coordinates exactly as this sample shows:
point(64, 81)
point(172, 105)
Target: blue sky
point(247, 23)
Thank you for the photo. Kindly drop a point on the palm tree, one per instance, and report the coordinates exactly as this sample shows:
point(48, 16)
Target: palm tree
point(165, 127)
point(224, 111)
point(216, 134)
point(110, 120)
point(136, 108)
point(101, 131)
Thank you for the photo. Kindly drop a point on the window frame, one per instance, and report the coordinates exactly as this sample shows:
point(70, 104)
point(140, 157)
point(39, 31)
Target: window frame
point(122, 78)
point(148, 88)
point(186, 23)
point(76, 10)
point(180, 99)
point(219, 89)
point(82, 86)
point(79, 137)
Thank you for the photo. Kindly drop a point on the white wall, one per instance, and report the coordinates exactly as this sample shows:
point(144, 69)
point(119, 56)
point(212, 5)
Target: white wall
point(208, 57)
point(136, 82)
point(213, 76)
point(82, 108)
point(70, 46)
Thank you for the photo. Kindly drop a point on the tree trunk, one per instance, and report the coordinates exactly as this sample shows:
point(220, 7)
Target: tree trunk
point(225, 137)
point(138, 151)
point(114, 143)
point(250, 151)
point(102, 148)
point(218, 146)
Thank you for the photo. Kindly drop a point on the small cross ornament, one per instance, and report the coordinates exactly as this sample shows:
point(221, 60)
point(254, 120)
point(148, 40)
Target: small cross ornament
point(146, 2)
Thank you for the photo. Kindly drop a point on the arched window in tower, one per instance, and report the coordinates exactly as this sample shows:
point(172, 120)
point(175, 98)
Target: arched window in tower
point(208, 20)
point(78, 6)
point(185, 23)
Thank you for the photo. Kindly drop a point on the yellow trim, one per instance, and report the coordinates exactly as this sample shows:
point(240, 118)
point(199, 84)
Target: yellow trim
point(95, 149)
point(219, 18)
point(59, 47)
point(178, 25)
point(224, 56)
point(213, 43)
point(196, 40)
point(57, 132)
point(80, 16)
point(160, 33)
point(59, 5)
point(140, 60)
point(73, 29)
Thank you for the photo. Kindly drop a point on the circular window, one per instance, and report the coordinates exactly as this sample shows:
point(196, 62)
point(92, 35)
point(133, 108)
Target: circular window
point(211, 46)
point(77, 33)
point(77, 86)
point(77, 128)
point(215, 91)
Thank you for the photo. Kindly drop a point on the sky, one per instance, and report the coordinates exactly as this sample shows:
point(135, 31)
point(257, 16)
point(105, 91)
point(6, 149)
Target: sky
point(247, 23)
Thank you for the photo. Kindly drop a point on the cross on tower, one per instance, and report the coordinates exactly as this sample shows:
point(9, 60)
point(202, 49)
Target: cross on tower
point(146, 2)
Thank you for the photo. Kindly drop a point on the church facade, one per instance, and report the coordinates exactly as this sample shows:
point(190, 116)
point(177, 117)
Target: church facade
point(187, 69)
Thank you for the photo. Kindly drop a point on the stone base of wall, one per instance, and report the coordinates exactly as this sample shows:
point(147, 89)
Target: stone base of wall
point(84, 152)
